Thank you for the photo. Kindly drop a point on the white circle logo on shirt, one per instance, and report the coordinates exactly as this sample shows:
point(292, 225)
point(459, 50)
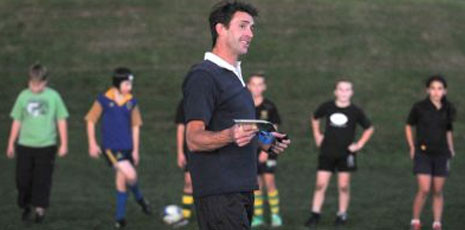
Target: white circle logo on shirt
point(338, 119)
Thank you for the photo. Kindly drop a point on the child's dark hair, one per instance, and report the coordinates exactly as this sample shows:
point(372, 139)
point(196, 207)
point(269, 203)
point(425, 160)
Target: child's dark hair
point(446, 103)
point(38, 72)
point(121, 74)
point(223, 12)
point(438, 78)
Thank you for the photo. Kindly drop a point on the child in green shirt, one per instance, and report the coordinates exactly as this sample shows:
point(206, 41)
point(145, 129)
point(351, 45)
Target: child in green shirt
point(37, 113)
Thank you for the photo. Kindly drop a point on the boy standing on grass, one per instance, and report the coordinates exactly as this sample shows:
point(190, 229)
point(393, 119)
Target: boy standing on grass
point(267, 162)
point(182, 161)
point(37, 112)
point(337, 148)
point(121, 121)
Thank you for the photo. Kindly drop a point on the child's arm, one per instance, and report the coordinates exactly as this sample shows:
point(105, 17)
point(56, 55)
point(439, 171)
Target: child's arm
point(450, 142)
point(136, 122)
point(63, 131)
point(135, 142)
point(92, 118)
point(15, 127)
point(409, 137)
point(180, 130)
point(94, 149)
point(317, 135)
point(366, 135)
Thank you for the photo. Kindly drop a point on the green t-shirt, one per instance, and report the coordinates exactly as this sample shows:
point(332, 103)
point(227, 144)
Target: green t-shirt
point(38, 114)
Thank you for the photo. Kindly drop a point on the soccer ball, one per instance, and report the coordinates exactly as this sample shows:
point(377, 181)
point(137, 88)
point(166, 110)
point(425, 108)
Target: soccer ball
point(172, 214)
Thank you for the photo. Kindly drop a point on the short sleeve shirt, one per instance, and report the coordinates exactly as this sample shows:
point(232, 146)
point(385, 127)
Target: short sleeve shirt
point(432, 125)
point(38, 114)
point(216, 96)
point(341, 124)
point(268, 111)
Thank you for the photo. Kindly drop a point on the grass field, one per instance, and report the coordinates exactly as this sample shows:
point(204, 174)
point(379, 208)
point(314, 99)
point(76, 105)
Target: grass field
point(386, 47)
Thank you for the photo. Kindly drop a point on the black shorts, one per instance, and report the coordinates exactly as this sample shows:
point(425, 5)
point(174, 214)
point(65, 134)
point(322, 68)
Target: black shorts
point(434, 165)
point(115, 156)
point(269, 166)
point(344, 163)
point(232, 211)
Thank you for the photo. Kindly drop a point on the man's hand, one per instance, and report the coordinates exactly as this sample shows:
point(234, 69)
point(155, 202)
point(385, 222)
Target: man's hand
point(452, 152)
point(182, 162)
point(281, 143)
point(262, 157)
point(242, 134)
point(94, 150)
point(10, 151)
point(63, 150)
point(354, 147)
point(135, 157)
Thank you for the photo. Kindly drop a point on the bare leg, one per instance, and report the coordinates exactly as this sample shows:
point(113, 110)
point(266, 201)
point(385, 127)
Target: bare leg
point(424, 186)
point(344, 191)
point(438, 198)
point(322, 181)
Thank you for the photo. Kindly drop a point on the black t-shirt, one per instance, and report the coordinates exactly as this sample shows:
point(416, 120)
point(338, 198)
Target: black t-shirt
point(268, 111)
point(340, 127)
point(216, 96)
point(432, 125)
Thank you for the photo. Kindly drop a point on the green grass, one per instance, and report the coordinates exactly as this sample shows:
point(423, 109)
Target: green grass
point(386, 47)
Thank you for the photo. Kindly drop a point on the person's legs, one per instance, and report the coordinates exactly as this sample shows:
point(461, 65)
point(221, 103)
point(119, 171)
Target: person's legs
point(44, 162)
point(24, 172)
point(121, 198)
point(187, 198)
point(130, 177)
point(438, 198)
point(259, 202)
point(344, 191)
point(322, 181)
point(344, 197)
point(273, 199)
point(424, 185)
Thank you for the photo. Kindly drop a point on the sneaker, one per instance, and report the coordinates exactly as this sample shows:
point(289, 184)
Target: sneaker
point(39, 215)
point(313, 220)
point(341, 219)
point(257, 221)
point(120, 224)
point(276, 221)
point(415, 226)
point(26, 214)
point(145, 205)
point(437, 226)
point(183, 222)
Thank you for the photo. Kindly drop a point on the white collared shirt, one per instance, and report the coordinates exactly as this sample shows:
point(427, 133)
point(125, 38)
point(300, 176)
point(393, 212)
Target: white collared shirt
point(224, 64)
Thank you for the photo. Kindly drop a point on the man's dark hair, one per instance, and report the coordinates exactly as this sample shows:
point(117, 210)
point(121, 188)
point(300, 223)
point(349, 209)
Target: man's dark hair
point(223, 12)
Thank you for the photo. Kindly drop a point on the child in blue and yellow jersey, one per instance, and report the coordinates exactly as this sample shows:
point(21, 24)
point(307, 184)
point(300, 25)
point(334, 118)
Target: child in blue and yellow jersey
point(121, 121)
